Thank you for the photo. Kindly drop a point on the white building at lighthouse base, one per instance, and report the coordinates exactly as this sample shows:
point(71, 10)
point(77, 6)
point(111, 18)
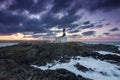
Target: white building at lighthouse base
point(61, 39)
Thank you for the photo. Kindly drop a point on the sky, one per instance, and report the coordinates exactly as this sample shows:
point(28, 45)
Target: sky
point(84, 20)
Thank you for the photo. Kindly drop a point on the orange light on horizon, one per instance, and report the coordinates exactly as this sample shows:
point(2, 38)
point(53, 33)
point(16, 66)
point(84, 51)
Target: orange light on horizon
point(20, 36)
point(17, 36)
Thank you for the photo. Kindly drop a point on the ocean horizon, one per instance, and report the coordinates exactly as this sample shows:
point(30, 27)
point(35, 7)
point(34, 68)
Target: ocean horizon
point(116, 43)
point(103, 42)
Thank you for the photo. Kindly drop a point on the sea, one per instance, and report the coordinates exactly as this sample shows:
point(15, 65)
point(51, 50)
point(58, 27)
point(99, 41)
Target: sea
point(116, 43)
point(4, 44)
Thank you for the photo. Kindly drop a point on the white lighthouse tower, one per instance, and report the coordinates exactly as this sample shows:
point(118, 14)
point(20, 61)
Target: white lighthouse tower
point(61, 39)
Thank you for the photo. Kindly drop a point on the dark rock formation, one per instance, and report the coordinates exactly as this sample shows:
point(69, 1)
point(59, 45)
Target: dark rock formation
point(9, 70)
point(82, 68)
point(104, 47)
point(15, 60)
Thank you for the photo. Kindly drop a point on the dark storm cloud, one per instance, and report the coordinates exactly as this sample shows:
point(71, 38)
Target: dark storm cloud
point(10, 23)
point(34, 25)
point(47, 35)
point(50, 20)
point(86, 22)
point(107, 24)
point(106, 33)
point(87, 26)
point(72, 6)
point(91, 5)
point(7, 18)
point(74, 31)
point(1, 0)
point(29, 5)
point(106, 4)
point(114, 29)
point(5, 34)
point(60, 5)
point(10, 29)
point(5, 4)
point(90, 25)
point(88, 33)
point(99, 26)
point(75, 36)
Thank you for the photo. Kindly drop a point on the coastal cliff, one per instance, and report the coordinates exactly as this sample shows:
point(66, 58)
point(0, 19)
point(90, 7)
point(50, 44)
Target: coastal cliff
point(18, 62)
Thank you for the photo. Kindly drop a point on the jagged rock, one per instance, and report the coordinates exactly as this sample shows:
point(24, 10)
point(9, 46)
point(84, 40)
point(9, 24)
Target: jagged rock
point(81, 68)
point(103, 47)
point(15, 60)
point(59, 74)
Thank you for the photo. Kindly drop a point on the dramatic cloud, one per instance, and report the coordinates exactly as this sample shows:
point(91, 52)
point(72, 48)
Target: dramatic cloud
point(106, 33)
point(99, 26)
point(39, 16)
point(5, 4)
point(30, 5)
point(7, 18)
point(87, 26)
point(104, 4)
point(88, 33)
point(86, 22)
point(114, 29)
point(74, 31)
point(75, 36)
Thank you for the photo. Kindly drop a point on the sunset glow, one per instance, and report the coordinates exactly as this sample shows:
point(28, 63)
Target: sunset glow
point(17, 36)
point(44, 19)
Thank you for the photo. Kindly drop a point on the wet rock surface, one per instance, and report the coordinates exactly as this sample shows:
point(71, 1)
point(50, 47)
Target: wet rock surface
point(15, 60)
point(82, 68)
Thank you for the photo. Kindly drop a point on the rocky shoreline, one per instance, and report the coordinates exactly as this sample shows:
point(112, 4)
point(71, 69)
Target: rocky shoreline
point(15, 60)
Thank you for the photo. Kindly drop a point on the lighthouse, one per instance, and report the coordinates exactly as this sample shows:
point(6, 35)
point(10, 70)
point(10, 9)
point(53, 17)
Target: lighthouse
point(61, 39)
